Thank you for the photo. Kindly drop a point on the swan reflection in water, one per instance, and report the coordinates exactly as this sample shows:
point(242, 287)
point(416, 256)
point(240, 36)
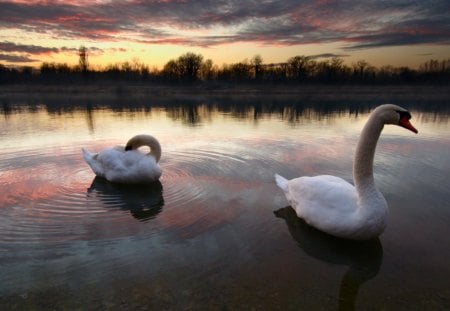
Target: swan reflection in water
point(364, 258)
point(144, 201)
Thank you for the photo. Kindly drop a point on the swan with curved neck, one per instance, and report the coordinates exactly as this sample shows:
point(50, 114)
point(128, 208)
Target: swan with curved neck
point(145, 140)
point(336, 207)
point(127, 164)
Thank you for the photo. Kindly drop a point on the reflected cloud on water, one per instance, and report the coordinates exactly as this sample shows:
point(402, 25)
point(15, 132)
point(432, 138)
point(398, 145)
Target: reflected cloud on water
point(143, 201)
point(363, 258)
point(218, 169)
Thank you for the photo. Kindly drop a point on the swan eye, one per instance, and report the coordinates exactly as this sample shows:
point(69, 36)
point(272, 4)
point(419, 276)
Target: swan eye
point(404, 114)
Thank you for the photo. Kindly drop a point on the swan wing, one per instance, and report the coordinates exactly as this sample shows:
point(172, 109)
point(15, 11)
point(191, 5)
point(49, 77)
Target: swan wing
point(326, 202)
point(130, 167)
point(107, 161)
point(141, 167)
point(117, 165)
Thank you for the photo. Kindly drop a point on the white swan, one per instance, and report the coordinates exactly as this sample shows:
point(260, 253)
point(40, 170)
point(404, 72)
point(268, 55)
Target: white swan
point(336, 207)
point(127, 164)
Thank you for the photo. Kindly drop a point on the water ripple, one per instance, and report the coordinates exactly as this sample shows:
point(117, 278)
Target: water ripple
point(60, 202)
point(186, 173)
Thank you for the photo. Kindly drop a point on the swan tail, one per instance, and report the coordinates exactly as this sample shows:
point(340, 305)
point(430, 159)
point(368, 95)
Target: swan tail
point(282, 183)
point(91, 160)
point(86, 155)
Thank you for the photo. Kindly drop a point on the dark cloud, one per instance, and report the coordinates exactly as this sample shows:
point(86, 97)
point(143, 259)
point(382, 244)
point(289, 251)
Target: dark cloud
point(31, 49)
point(22, 53)
point(16, 58)
point(359, 24)
point(396, 39)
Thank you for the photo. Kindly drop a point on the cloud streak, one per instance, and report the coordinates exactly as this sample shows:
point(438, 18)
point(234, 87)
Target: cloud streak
point(16, 58)
point(354, 24)
point(30, 49)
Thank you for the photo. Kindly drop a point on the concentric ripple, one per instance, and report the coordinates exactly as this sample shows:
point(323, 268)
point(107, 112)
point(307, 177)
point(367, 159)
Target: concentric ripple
point(52, 196)
point(187, 173)
point(48, 198)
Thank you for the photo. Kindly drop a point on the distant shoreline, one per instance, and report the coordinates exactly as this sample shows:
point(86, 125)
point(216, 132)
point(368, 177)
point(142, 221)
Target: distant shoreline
point(307, 91)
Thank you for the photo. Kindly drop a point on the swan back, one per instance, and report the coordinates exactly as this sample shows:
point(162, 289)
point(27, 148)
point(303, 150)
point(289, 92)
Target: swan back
point(145, 140)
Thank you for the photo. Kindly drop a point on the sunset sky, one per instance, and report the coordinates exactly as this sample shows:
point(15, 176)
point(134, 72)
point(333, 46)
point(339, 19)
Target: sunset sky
point(398, 33)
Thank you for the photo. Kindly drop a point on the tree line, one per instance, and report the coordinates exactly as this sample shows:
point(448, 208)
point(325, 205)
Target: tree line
point(193, 68)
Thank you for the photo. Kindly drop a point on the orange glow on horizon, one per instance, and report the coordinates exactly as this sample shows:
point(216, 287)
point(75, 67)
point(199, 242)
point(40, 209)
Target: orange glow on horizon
point(155, 32)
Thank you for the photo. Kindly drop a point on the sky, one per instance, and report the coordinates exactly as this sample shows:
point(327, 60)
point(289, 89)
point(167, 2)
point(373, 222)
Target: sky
point(397, 33)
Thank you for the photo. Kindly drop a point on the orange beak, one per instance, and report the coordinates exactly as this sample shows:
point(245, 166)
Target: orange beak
point(404, 122)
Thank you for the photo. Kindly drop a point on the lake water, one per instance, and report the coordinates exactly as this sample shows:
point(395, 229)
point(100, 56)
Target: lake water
point(216, 232)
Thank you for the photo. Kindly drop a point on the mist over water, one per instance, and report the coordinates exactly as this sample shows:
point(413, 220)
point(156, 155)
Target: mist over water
point(215, 232)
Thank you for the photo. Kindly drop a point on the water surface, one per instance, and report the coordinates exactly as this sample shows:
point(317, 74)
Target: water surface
point(216, 232)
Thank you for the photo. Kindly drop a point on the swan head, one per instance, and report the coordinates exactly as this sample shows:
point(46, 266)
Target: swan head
point(393, 114)
point(145, 140)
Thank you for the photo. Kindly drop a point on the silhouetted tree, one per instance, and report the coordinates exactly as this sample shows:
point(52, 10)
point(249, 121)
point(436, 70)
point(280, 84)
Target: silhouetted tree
point(257, 63)
point(275, 72)
point(189, 65)
point(406, 74)
point(359, 68)
point(435, 71)
point(299, 67)
point(171, 71)
point(26, 73)
point(83, 59)
point(386, 74)
point(207, 70)
point(239, 72)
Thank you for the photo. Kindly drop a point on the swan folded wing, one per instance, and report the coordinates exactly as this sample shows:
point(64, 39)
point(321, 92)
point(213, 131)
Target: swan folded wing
point(325, 202)
point(130, 167)
point(145, 169)
point(111, 162)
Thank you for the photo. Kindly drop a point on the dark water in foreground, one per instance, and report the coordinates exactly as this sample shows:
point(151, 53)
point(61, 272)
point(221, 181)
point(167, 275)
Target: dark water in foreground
point(215, 233)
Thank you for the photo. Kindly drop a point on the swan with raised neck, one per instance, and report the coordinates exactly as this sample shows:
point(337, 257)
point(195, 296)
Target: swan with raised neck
point(336, 207)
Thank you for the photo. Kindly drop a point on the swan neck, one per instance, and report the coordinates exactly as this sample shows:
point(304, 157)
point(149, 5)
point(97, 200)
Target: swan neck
point(155, 150)
point(146, 140)
point(365, 152)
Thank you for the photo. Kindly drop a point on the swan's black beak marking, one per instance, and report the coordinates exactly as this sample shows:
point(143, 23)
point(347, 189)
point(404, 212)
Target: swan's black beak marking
point(128, 148)
point(405, 116)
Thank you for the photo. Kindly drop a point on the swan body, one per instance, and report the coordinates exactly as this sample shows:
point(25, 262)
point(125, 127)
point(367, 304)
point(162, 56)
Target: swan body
point(127, 164)
point(337, 207)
